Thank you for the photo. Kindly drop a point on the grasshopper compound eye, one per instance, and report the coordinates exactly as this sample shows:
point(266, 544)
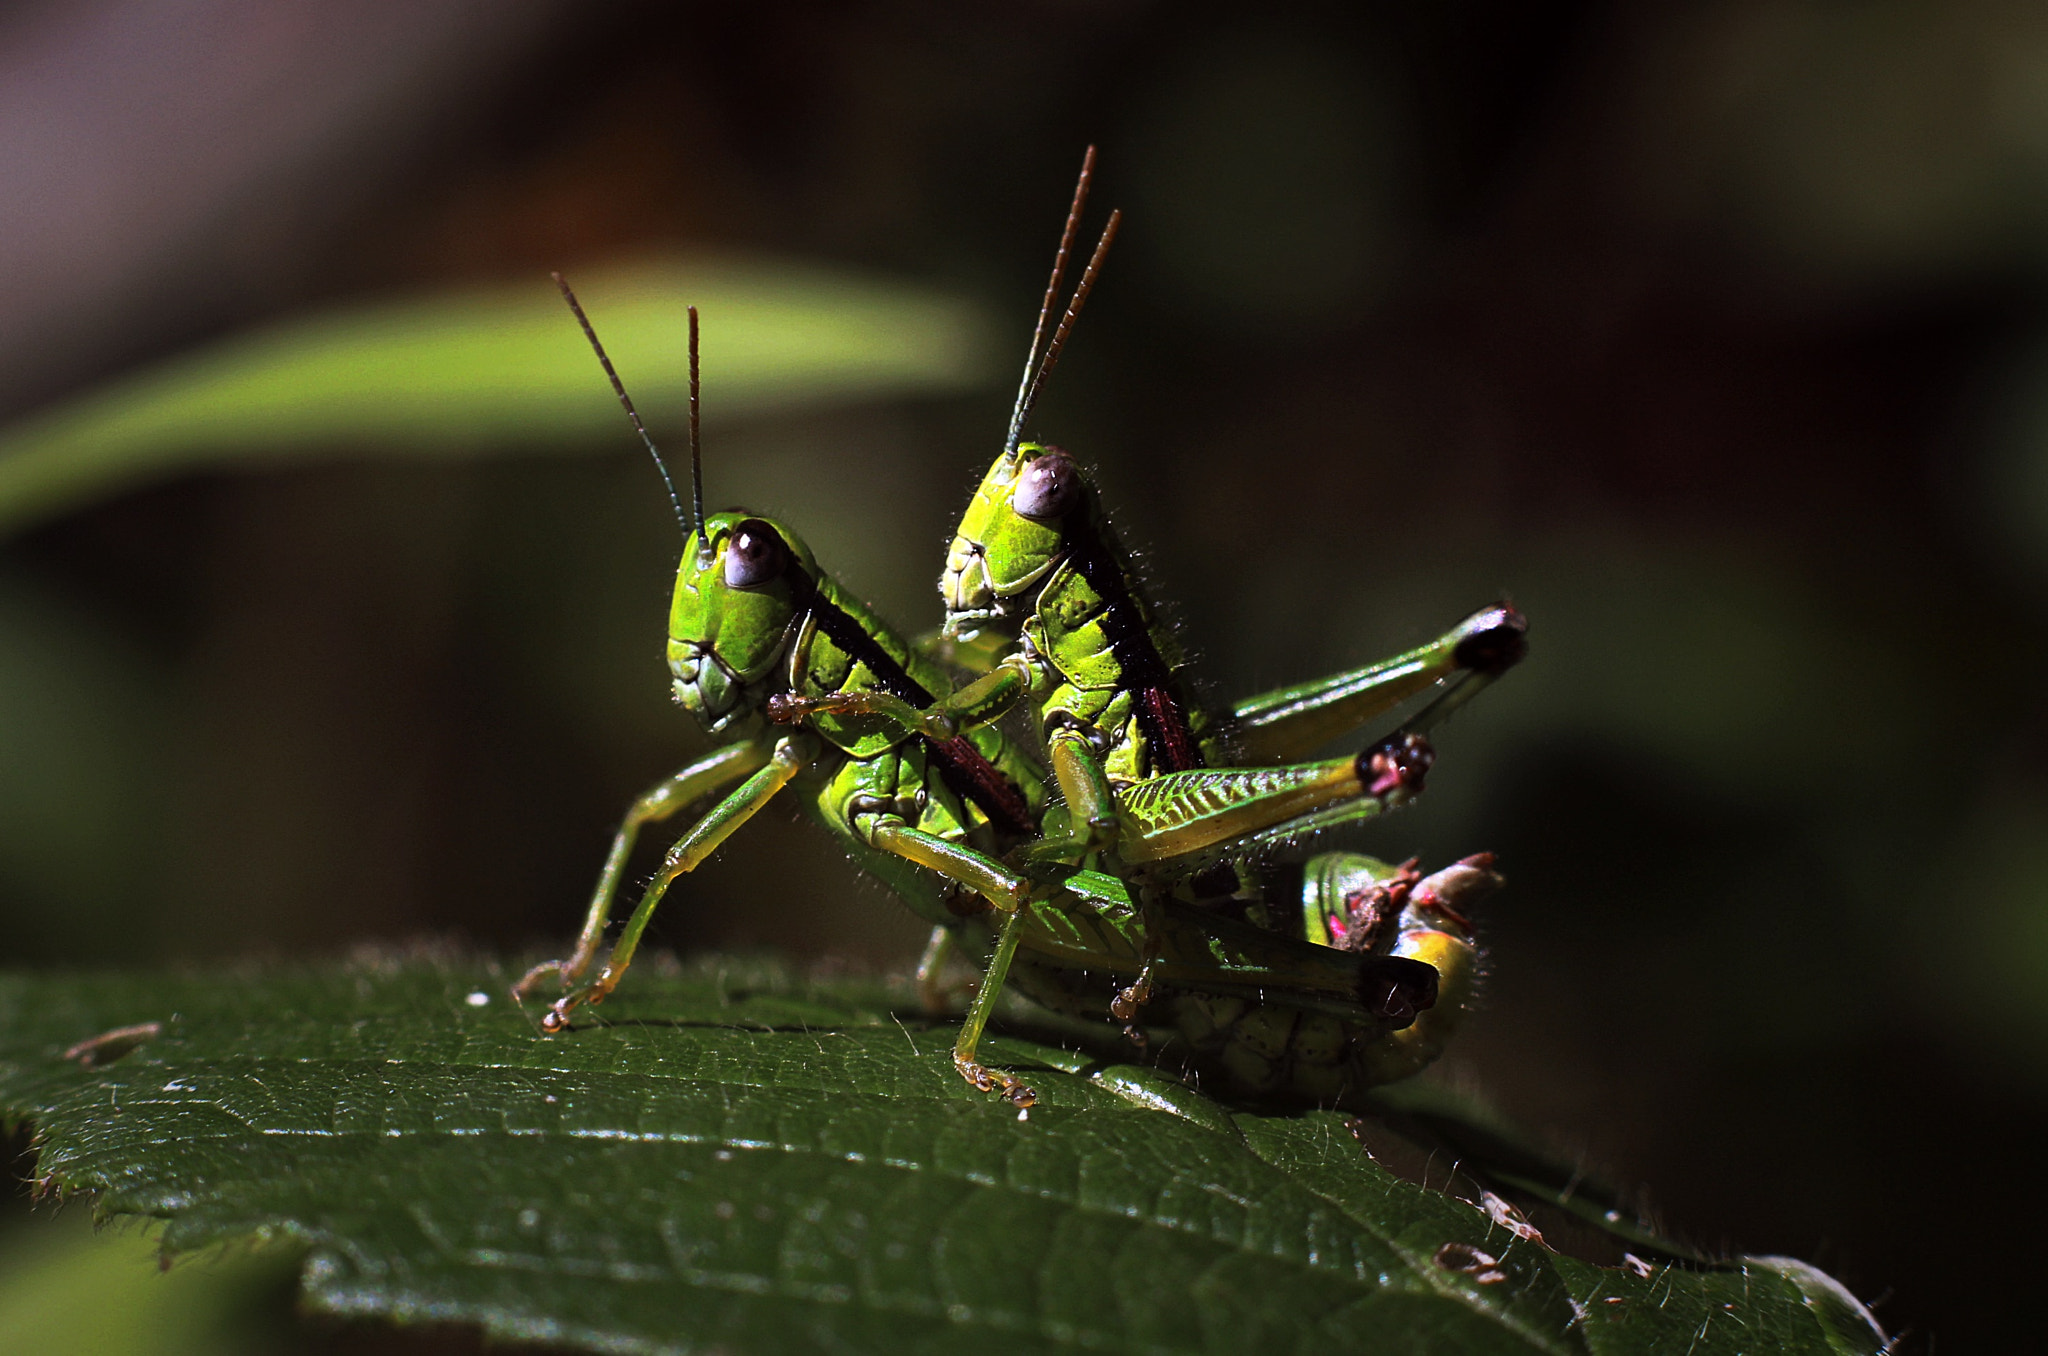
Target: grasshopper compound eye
point(755, 555)
point(1049, 487)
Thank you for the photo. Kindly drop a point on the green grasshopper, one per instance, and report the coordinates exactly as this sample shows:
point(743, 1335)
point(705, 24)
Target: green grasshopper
point(1041, 598)
point(1038, 585)
point(753, 618)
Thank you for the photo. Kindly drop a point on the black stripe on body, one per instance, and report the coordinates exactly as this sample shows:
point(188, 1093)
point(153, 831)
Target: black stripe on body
point(964, 768)
point(1162, 715)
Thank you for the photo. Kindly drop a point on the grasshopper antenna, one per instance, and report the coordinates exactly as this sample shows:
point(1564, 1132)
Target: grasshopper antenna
point(619, 388)
point(1059, 337)
point(1052, 291)
point(696, 454)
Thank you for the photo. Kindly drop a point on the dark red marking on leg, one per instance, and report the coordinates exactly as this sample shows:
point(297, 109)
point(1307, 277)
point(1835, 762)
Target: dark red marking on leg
point(1400, 763)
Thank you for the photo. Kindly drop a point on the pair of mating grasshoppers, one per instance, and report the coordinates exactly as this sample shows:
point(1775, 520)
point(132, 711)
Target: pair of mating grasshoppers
point(1146, 892)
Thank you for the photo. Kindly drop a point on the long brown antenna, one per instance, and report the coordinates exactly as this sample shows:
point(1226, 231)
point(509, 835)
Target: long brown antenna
point(1045, 308)
point(1059, 338)
point(619, 388)
point(696, 450)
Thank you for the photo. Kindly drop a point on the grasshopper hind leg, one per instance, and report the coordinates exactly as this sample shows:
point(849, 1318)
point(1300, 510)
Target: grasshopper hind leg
point(707, 775)
point(1011, 1087)
point(703, 838)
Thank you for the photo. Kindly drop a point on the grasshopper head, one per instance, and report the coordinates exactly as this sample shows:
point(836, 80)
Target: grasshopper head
point(1013, 533)
point(743, 586)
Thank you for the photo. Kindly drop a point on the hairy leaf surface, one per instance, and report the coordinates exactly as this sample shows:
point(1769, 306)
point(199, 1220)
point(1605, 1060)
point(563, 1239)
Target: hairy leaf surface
point(728, 1159)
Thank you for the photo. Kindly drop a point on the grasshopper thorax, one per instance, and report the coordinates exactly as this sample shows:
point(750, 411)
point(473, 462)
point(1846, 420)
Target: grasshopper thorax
point(1015, 531)
point(744, 586)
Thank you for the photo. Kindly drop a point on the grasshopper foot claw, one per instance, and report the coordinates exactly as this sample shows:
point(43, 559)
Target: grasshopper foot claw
point(557, 1017)
point(1124, 1007)
point(986, 1079)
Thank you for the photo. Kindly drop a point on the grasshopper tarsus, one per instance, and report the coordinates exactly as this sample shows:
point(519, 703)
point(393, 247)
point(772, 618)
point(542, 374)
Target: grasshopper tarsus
point(531, 979)
point(1011, 1088)
point(1008, 1086)
point(1124, 1007)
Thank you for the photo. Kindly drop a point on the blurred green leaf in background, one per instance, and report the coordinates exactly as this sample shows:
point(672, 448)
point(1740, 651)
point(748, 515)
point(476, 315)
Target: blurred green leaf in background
point(99, 729)
point(68, 1291)
point(495, 371)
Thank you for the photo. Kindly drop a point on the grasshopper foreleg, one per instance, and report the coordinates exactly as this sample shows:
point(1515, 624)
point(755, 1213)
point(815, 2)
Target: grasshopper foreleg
point(707, 775)
point(704, 837)
point(787, 708)
point(1129, 1000)
point(987, 699)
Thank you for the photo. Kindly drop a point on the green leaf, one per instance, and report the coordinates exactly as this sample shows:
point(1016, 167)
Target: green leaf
point(502, 369)
point(737, 1161)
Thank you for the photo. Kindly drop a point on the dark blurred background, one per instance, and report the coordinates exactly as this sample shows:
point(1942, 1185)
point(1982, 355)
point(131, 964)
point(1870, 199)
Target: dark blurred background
point(1714, 334)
